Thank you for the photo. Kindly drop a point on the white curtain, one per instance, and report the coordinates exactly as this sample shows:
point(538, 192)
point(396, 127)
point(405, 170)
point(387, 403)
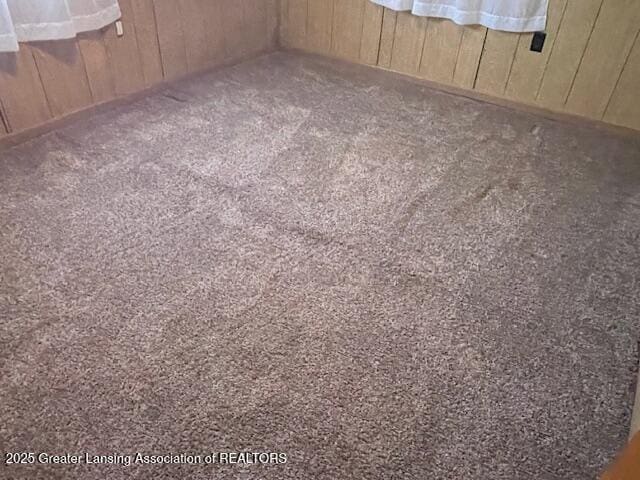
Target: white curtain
point(34, 20)
point(508, 15)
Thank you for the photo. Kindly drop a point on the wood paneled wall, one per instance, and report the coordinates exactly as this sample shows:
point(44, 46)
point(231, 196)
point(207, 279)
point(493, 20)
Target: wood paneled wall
point(163, 40)
point(590, 65)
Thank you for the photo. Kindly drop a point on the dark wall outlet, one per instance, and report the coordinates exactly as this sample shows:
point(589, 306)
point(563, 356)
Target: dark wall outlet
point(537, 43)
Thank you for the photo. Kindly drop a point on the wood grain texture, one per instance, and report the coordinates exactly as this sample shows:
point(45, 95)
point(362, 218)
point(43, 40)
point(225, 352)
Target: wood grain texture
point(319, 25)
point(144, 19)
point(371, 30)
point(283, 34)
point(63, 75)
point(387, 37)
point(21, 91)
point(469, 54)
point(294, 23)
point(253, 25)
point(98, 67)
point(348, 17)
point(196, 39)
point(604, 58)
point(493, 62)
point(212, 11)
point(495, 65)
point(408, 43)
point(52, 79)
point(573, 34)
point(273, 21)
point(529, 67)
point(624, 107)
point(440, 52)
point(124, 53)
point(256, 19)
point(627, 465)
point(171, 38)
point(235, 39)
point(4, 122)
point(590, 65)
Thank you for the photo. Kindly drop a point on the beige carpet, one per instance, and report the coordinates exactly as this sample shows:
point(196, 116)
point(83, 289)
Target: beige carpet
point(293, 256)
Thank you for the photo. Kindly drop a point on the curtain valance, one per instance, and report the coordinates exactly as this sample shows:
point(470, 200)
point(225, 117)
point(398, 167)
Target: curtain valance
point(508, 15)
point(35, 20)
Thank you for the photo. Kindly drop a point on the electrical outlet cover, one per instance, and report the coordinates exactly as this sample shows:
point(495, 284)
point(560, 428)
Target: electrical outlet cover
point(537, 43)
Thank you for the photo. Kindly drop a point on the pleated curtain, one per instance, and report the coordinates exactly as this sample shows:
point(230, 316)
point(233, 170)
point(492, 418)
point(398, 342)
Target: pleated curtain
point(506, 15)
point(37, 20)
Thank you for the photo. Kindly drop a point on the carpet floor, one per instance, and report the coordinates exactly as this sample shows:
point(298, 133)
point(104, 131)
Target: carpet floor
point(299, 256)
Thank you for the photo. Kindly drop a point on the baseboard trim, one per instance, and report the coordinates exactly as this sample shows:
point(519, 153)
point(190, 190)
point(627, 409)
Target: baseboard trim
point(485, 98)
point(22, 136)
point(15, 138)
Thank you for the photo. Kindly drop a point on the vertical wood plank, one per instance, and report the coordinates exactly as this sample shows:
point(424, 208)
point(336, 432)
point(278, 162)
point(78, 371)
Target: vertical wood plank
point(440, 52)
point(55, 78)
point(212, 11)
point(124, 54)
point(371, 33)
point(624, 108)
point(97, 65)
point(63, 75)
point(252, 25)
point(495, 64)
point(235, 42)
point(273, 20)
point(4, 122)
point(387, 37)
point(528, 67)
point(283, 7)
point(258, 11)
point(571, 41)
point(171, 38)
point(23, 97)
point(348, 16)
point(194, 27)
point(294, 23)
point(606, 53)
point(408, 43)
point(319, 25)
point(144, 19)
point(469, 54)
